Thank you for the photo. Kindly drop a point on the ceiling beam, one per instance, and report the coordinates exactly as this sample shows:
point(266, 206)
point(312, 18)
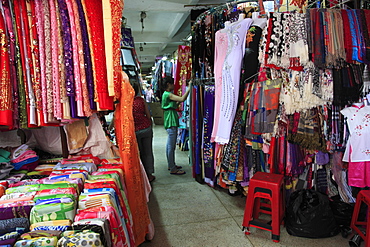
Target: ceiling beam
point(149, 37)
point(164, 46)
point(176, 24)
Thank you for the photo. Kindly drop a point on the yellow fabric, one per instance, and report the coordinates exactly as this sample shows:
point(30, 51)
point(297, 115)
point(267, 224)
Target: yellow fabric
point(51, 223)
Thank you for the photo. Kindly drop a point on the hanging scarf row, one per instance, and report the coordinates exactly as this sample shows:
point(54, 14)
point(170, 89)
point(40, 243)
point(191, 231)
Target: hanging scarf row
point(285, 113)
point(54, 66)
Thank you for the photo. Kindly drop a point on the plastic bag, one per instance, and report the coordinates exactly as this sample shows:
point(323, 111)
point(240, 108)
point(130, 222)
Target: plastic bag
point(342, 211)
point(309, 215)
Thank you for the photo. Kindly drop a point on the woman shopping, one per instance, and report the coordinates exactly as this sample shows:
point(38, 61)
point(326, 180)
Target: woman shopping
point(143, 131)
point(170, 103)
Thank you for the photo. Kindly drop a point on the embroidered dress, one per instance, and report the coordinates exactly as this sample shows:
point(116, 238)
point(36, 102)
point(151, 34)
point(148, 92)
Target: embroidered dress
point(183, 70)
point(221, 45)
point(208, 147)
point(358, 149)
point(231, 78)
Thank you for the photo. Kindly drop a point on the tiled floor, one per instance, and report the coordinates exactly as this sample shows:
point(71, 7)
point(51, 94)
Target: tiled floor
point(186, 213)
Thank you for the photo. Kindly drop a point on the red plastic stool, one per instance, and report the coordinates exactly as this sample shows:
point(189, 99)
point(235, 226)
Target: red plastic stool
point(270, 187)
point(362, 197)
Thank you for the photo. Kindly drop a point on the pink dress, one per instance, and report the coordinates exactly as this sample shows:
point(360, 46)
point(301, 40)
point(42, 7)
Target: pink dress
point(231, 78)
point(55, 57)
point(358, 147)
point(221, 44)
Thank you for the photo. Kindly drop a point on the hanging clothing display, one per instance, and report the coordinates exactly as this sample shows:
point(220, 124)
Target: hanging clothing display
point(57, 73)
point(292, 88)
point(230, 77)
point(130, 159)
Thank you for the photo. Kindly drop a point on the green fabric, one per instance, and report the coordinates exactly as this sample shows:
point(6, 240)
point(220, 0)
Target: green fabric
point(46, 197)
point(53, 211)
point(171, 118)
point(115, 176)
point(4, 156)
point(37, 187)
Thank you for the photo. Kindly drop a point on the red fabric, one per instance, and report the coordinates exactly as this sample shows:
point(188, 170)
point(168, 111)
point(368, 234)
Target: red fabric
point(347, 36)
point(94, 12)
point(138, 110)
point(84, 157)
point(183, 70)
point(6, 118)
point(116, 229)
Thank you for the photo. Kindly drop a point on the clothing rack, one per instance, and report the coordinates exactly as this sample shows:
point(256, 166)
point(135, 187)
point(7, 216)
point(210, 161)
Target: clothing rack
point(203, 81)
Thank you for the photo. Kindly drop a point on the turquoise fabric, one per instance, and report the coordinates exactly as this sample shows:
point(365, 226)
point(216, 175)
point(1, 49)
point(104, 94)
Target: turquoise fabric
point(4, 156)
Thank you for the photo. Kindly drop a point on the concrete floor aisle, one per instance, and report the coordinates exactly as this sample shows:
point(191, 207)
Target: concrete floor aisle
point(186, 213)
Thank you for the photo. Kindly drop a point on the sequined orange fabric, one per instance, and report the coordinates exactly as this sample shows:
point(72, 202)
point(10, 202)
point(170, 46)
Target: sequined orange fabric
point(128, 148)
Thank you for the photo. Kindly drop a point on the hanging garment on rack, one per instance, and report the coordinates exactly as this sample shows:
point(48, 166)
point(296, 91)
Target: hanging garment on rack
point(231, 78)
point(94, 13)
point(221, 45)
point(5, 86)
point(130, 159)
point(232, 150)
point(183, 70)
point(208, 147)
point(198, 127)
point(87, 57)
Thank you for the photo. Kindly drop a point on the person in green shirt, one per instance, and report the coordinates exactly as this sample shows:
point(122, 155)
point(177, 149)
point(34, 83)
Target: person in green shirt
point(170, 103)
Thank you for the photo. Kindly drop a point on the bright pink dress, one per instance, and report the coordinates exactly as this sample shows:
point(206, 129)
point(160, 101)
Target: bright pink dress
point(221, 44)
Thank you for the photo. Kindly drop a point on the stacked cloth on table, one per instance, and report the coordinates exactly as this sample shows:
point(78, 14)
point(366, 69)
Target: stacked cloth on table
point(23, 158)
point(80, 203)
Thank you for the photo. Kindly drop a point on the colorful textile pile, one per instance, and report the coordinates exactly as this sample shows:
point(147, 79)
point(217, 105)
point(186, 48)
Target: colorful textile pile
point(23, 158)
point(80, 201)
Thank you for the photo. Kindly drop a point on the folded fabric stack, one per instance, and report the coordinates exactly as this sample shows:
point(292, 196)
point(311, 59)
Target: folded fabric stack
point(11, 229)
point(5, 166)
point(77, 202)
point(42, 170)
point(23, 158)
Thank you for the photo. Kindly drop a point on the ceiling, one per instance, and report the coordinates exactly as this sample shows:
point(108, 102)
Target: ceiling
point(167, 24)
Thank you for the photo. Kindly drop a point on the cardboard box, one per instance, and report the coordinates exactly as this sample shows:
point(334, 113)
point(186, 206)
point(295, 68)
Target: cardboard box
point(157, 112)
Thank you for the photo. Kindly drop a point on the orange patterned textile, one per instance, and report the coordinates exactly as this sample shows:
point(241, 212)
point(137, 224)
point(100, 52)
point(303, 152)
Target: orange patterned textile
point(129, 153)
